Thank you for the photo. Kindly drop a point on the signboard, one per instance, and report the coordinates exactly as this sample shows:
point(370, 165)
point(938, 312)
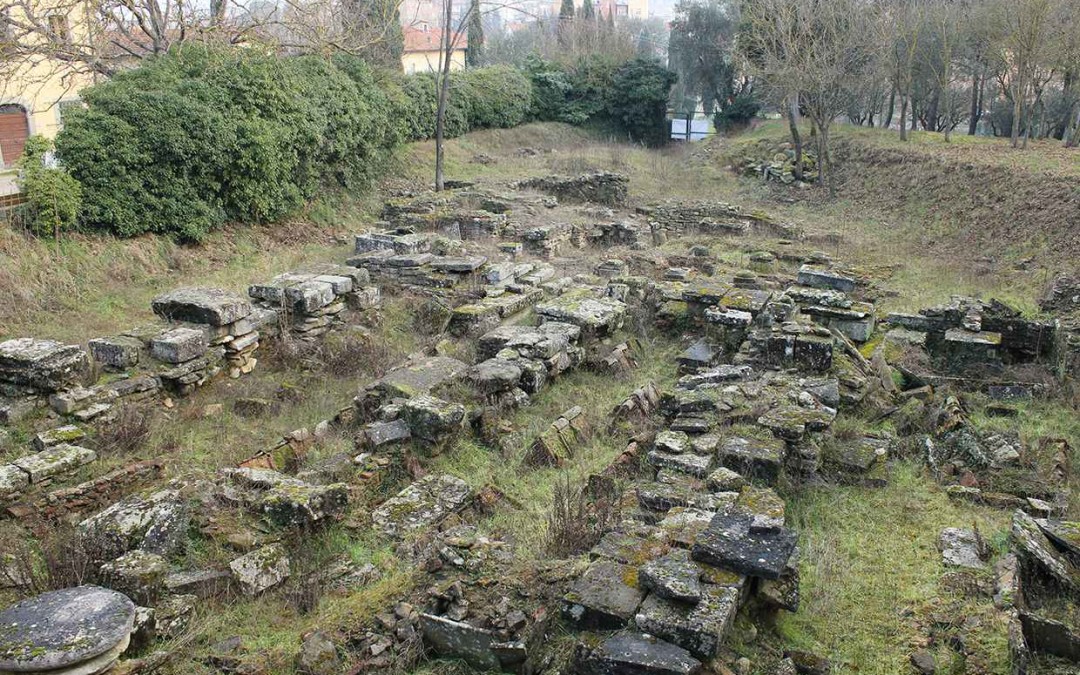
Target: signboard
point(689, 130)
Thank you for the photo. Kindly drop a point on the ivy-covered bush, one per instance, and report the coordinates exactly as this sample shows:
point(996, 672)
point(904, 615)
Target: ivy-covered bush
point(493, 97)
point(53, 197)
point(630, 98)
point(200, 136)
point(639, 98)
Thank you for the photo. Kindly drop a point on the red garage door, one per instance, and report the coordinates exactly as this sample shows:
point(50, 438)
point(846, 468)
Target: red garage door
point(14, 129)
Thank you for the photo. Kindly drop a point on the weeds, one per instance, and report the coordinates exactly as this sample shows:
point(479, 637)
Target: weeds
point(580, 517)
point(127, 433)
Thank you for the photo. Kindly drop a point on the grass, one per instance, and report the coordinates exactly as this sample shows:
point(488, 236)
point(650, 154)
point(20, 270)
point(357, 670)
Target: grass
point(523, 522)
point(88, 285)
point(871, 574)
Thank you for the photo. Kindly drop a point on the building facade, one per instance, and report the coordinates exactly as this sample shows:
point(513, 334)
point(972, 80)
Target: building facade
point(35, 91)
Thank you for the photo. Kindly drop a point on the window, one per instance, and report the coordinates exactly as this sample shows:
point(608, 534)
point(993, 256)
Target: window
point(622, 10)
point(63, 107)
point(58, 26)
point(7, 30)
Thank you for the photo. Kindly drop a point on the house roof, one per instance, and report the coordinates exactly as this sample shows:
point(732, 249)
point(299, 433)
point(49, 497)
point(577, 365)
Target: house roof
point(430, 40)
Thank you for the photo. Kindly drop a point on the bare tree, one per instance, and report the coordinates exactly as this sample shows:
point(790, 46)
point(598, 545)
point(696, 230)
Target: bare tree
point(821, 49)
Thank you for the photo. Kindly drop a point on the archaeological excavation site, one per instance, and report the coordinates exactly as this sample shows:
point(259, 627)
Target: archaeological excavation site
point(561, 417)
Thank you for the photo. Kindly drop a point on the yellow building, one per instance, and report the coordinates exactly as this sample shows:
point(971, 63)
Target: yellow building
point(423, 48)
point(35, 90)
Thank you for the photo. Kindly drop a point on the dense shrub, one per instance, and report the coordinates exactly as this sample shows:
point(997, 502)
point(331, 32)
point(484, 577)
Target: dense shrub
point(494, 97)
point(575, 94)
point(639, 100)
point(631, 97)
point(53, 197)
point(200, 136)
point(737, 113)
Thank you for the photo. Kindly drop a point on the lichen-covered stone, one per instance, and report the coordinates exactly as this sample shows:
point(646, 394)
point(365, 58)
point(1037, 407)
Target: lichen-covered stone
point(604, 598)
point(42, 364)
point(179, 345)
point(420, 505)
point(261, 570)
point(115, 353)
point(636, 654)
point(137, 574)
point(54, 461)
point(755, 458)
point(420, 376)
point(201, 305)
point(687, 462)
point(1032, 544)
point(84, 626)
point(960, 548)
point(156, 524)
point(69, 433)
point(730, 543)
point(13, 481)
point(318, 655)
point(582, 308)
point(699, 628)
point(673, 576)
point(495, 375)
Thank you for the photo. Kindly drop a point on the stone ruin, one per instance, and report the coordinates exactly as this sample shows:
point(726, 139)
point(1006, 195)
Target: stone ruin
point(773, 355)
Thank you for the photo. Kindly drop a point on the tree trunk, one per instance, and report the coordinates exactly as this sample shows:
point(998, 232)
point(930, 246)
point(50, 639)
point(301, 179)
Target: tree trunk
point(892, 107)
point(444, 94)
point(903, 117)
point(976, 104)
point(1014, 135)
point(1062, 127)
point(1074, 139)
point(796, 138)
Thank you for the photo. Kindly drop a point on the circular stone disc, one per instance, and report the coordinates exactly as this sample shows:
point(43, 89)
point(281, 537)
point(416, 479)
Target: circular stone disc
point(63, 628)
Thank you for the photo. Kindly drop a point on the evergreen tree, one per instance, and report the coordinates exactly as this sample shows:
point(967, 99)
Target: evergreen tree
point(566, 11)
point(587, 11)
point(474, 55)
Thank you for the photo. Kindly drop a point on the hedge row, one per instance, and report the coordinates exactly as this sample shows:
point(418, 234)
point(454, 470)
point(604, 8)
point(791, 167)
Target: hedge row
point(628, 97)
point(199, 137)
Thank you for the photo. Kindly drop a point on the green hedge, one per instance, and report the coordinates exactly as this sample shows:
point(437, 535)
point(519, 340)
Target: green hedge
point(493, 97)
point(200, 136)
point(630, 97)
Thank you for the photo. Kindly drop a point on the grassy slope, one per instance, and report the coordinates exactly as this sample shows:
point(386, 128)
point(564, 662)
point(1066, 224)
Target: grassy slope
point(868, 554)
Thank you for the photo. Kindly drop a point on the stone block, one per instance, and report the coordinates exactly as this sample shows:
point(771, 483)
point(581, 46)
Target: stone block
point(179, 345)
point(673, 576)
point(606, 597)
point(42, 364)
point(755, 458)
point(200, 583)
point(636, 654)
point(54, 461)
point(136, 574)
point(699, 628)
point(116, 353)
point(69, 433)
point(730, 543)
point(432, 419)
point(13, 481)
point(423, 504)
point(816, 277)
point(211, 306)
point(261, 570)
